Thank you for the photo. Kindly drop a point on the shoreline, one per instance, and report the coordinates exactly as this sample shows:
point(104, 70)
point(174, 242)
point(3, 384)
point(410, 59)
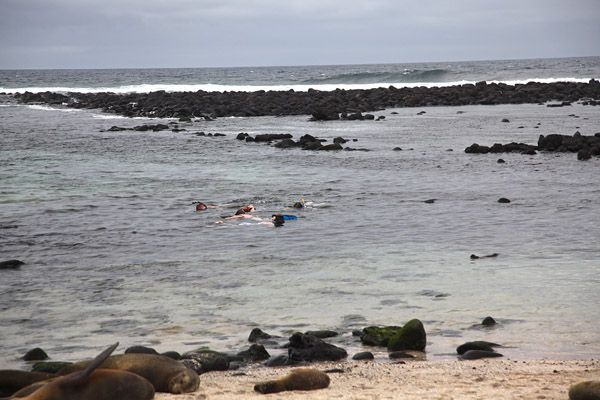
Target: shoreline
point(322, 105)
point(479, 379)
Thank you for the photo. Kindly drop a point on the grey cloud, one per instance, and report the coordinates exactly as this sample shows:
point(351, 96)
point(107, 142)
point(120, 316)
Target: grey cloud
point(149, 33)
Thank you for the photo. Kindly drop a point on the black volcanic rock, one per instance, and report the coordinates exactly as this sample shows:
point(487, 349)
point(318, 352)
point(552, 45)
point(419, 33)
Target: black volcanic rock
point(321, 105)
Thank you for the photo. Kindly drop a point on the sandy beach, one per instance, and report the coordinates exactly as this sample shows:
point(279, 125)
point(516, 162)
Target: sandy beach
point(481, 379)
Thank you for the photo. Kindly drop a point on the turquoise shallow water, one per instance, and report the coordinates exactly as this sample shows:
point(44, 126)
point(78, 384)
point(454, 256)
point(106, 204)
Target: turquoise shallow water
point(115, 250)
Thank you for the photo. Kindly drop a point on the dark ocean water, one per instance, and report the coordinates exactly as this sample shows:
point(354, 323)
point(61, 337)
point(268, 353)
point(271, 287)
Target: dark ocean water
point(326, 77)
point(114, 249)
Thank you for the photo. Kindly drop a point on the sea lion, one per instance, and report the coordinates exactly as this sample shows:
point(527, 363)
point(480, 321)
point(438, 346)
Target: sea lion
point(91, 384)
point(13, 380)
point(165, 374)
point(586, 390)
point(300, 379)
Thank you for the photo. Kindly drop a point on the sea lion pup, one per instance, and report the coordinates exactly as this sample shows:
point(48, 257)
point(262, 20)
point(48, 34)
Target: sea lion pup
point(13, 380)
point(300, 379)
point(164, 373)
point(91, 384)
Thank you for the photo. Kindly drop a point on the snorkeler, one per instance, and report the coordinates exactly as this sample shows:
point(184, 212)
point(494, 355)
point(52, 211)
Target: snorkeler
point(279, 220)
point(201, 206)
point(299, 204)
point(241, 213)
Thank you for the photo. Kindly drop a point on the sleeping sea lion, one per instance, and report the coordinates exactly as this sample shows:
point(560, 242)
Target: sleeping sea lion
point(300, 379)
point(587, 390)
point(13, 380)
point(165, 374)
point(91, 384)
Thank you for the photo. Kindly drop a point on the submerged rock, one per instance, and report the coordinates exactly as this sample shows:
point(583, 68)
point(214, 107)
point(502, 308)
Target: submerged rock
point(479, 354)
point(11, 264)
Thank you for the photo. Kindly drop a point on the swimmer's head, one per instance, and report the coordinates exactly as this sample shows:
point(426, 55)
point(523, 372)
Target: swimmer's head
point(200, 207)
point(240, 212)
point(249, 208)
point(278, 220)
point(298, 204)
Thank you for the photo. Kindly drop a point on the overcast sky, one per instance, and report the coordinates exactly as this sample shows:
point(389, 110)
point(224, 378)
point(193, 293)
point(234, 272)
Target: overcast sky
point(213, 33)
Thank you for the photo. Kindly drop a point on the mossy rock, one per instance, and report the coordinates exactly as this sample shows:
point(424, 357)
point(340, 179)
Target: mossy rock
point(378, 336)
point(36, 354)
point(411, 337)
point(50, 366)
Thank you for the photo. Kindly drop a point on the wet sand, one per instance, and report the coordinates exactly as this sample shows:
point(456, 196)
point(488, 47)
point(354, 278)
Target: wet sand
point(480, 379)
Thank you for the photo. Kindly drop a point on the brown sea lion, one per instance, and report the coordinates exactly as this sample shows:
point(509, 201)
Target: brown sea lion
point(165, 374)
point(586, 390)
point(13, 380)
point(91, 384)
point(300, 379)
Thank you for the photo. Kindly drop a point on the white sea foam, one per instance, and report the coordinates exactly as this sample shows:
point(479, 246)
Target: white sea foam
point(147, 88)
point(50, 108)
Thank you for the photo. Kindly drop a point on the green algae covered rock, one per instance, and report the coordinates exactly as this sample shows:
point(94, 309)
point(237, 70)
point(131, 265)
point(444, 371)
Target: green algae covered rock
point(378, 336)
point(411, 337)
point(51, 367)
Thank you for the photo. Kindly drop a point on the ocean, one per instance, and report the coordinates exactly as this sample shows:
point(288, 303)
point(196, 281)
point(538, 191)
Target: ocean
point(114, 249)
